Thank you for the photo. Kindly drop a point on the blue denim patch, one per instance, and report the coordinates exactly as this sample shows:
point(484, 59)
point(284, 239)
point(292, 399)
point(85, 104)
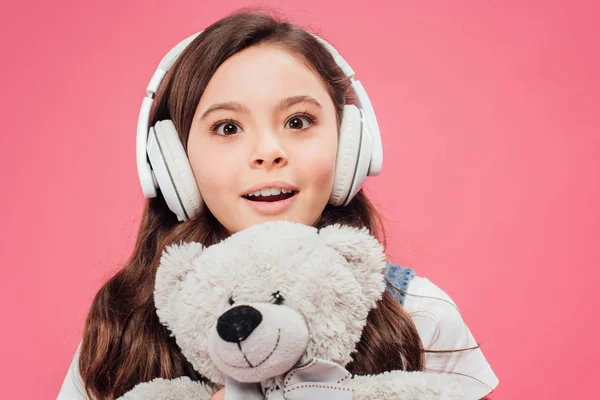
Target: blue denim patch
point(400, 276)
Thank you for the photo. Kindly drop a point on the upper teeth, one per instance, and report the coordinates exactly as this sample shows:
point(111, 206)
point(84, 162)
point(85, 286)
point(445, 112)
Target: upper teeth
point(269, 192)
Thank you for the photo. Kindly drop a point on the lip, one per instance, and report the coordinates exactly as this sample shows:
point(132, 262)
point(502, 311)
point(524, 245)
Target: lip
point(274, 184)
point(271, 207)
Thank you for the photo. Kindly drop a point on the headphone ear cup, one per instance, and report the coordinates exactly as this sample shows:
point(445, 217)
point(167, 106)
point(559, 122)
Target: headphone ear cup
point(347, 155)
point(173, 171)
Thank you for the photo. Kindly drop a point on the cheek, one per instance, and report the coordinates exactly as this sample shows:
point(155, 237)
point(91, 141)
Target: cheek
point(215, 171)
point(317, 160)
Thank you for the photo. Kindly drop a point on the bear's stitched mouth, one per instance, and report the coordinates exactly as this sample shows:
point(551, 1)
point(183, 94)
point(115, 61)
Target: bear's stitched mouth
point(248, 361)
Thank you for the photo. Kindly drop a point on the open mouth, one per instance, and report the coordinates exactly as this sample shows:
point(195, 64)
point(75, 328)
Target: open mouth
point(271, 197)
point(248, 361)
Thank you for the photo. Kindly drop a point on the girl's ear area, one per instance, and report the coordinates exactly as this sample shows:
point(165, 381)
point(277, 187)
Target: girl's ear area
point(176, 262)
point(363, 252)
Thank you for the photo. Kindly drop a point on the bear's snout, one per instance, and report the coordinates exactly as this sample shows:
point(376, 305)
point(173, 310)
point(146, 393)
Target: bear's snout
point(236, 324)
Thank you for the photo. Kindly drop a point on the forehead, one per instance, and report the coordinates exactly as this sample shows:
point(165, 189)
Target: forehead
point(260, 76)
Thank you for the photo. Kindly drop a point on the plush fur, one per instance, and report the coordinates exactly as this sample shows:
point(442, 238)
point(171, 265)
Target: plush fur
point(272, 297)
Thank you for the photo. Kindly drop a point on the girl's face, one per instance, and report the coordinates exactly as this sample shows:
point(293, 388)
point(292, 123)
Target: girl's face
point(265, 121)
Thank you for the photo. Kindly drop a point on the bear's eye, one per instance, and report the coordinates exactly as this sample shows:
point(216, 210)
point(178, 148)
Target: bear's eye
point(277, 298)
point(230, 300)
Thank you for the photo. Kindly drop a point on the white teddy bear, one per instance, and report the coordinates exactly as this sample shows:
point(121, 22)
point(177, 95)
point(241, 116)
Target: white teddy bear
point(275, 312)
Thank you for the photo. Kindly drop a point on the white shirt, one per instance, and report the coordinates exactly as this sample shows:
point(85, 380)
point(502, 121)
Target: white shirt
point(440, 326)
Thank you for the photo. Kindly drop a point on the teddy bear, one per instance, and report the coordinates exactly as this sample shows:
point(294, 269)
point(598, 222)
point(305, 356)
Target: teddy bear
point(275, 311)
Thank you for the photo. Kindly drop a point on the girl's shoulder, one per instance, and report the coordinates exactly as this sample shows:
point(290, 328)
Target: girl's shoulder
point(417, 293)
point(441, 327)
point(406, 280)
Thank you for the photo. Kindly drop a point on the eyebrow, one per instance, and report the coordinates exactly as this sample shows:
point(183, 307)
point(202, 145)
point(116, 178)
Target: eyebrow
point(282, 105)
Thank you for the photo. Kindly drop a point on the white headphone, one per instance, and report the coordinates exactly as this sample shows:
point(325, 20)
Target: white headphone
point(162, 162)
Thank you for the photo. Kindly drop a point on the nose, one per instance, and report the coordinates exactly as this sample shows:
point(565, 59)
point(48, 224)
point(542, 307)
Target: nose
point(238, 323)
point(268, 152)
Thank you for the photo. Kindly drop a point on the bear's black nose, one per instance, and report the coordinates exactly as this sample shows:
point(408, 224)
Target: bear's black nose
point(238, 323)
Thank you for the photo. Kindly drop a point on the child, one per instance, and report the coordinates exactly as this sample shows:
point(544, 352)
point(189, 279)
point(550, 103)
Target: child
point(261, 129)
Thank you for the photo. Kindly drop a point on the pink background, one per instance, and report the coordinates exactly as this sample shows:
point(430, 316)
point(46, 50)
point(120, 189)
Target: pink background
point(490, 185)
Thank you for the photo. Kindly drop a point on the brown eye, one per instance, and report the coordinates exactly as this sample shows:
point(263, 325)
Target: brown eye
point(231, 301)
point(301, 121)
point(225, 128)
point(298, 123)
point(228, 129)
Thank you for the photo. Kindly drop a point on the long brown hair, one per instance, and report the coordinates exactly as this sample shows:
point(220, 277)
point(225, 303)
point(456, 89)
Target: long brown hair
point(124, 343)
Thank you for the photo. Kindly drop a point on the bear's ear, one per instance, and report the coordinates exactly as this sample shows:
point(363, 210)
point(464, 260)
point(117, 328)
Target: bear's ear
point(363, 252)
point(176, 262)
